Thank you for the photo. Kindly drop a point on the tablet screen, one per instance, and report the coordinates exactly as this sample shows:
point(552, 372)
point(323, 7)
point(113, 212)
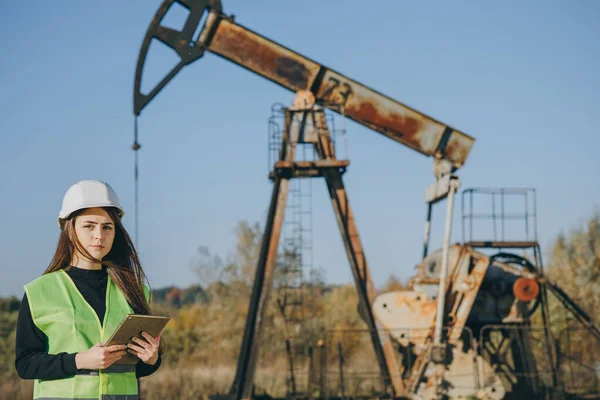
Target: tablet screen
point(132, 326)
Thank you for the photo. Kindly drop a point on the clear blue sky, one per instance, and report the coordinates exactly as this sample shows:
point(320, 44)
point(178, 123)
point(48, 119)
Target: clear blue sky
point(521, 77)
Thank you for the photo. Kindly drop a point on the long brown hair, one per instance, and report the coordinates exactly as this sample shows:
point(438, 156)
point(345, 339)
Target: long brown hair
point(122, 262)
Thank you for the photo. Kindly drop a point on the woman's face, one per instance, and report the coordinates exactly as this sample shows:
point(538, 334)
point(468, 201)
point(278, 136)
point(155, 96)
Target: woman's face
point(95, 232)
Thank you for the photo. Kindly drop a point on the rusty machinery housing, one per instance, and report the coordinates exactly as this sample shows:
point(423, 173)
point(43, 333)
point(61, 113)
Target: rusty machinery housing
point(475, 320)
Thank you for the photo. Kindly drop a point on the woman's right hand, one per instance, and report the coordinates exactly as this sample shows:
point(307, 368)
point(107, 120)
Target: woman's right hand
point(99, 357)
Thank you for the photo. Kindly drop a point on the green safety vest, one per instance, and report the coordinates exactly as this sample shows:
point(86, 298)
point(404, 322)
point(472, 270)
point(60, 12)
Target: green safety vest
point(71, 325)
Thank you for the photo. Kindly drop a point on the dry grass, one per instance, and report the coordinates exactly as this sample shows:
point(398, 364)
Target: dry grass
point(185, 383)
point(190, 382)
point(177, 382)
point(14, 388)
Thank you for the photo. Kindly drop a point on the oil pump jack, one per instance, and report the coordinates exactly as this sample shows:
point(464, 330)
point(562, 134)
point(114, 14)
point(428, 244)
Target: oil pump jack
point(459, 273)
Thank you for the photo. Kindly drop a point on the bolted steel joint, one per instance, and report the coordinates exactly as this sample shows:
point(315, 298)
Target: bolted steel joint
point(439, 353)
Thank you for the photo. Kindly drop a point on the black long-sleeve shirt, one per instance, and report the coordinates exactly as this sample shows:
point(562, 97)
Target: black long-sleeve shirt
point(32, 359)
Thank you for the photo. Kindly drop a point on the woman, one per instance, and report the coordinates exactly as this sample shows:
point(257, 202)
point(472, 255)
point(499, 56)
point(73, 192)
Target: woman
point(93, 281)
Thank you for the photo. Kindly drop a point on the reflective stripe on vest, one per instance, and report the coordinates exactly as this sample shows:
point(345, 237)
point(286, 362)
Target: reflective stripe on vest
point(113, 369)
point(71, 325)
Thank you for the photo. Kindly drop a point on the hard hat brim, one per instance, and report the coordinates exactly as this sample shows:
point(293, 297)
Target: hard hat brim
point(63, 216)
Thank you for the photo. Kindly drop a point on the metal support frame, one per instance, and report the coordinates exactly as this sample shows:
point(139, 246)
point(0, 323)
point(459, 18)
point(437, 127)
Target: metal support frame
point(263, 281)
point(427, 230)
point(502, 202)
point(364, 285)
point(502, 240)
point(445, 187)
point(284, 170)
point(441, 303)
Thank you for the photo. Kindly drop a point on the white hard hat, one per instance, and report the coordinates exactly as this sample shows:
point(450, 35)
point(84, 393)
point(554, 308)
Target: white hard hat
point(88, 194)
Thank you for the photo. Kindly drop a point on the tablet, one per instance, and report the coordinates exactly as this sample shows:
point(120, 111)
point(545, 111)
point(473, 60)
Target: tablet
point(133, 325)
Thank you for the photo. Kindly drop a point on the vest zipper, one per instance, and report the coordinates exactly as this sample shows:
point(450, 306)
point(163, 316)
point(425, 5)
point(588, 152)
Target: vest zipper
point(100, 324)
point(106, 305)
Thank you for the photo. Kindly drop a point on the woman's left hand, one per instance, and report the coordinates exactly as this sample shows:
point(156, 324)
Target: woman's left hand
point(145, 350)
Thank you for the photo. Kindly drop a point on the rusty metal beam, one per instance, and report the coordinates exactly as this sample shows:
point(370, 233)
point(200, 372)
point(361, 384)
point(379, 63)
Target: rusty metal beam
point(503, 245)
point(306, 169)
point(263, 56)
point(263, 282)
point(463, 300)
point(360, 103)
point(384, 349)
point(316, 164)
point(293, 71)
